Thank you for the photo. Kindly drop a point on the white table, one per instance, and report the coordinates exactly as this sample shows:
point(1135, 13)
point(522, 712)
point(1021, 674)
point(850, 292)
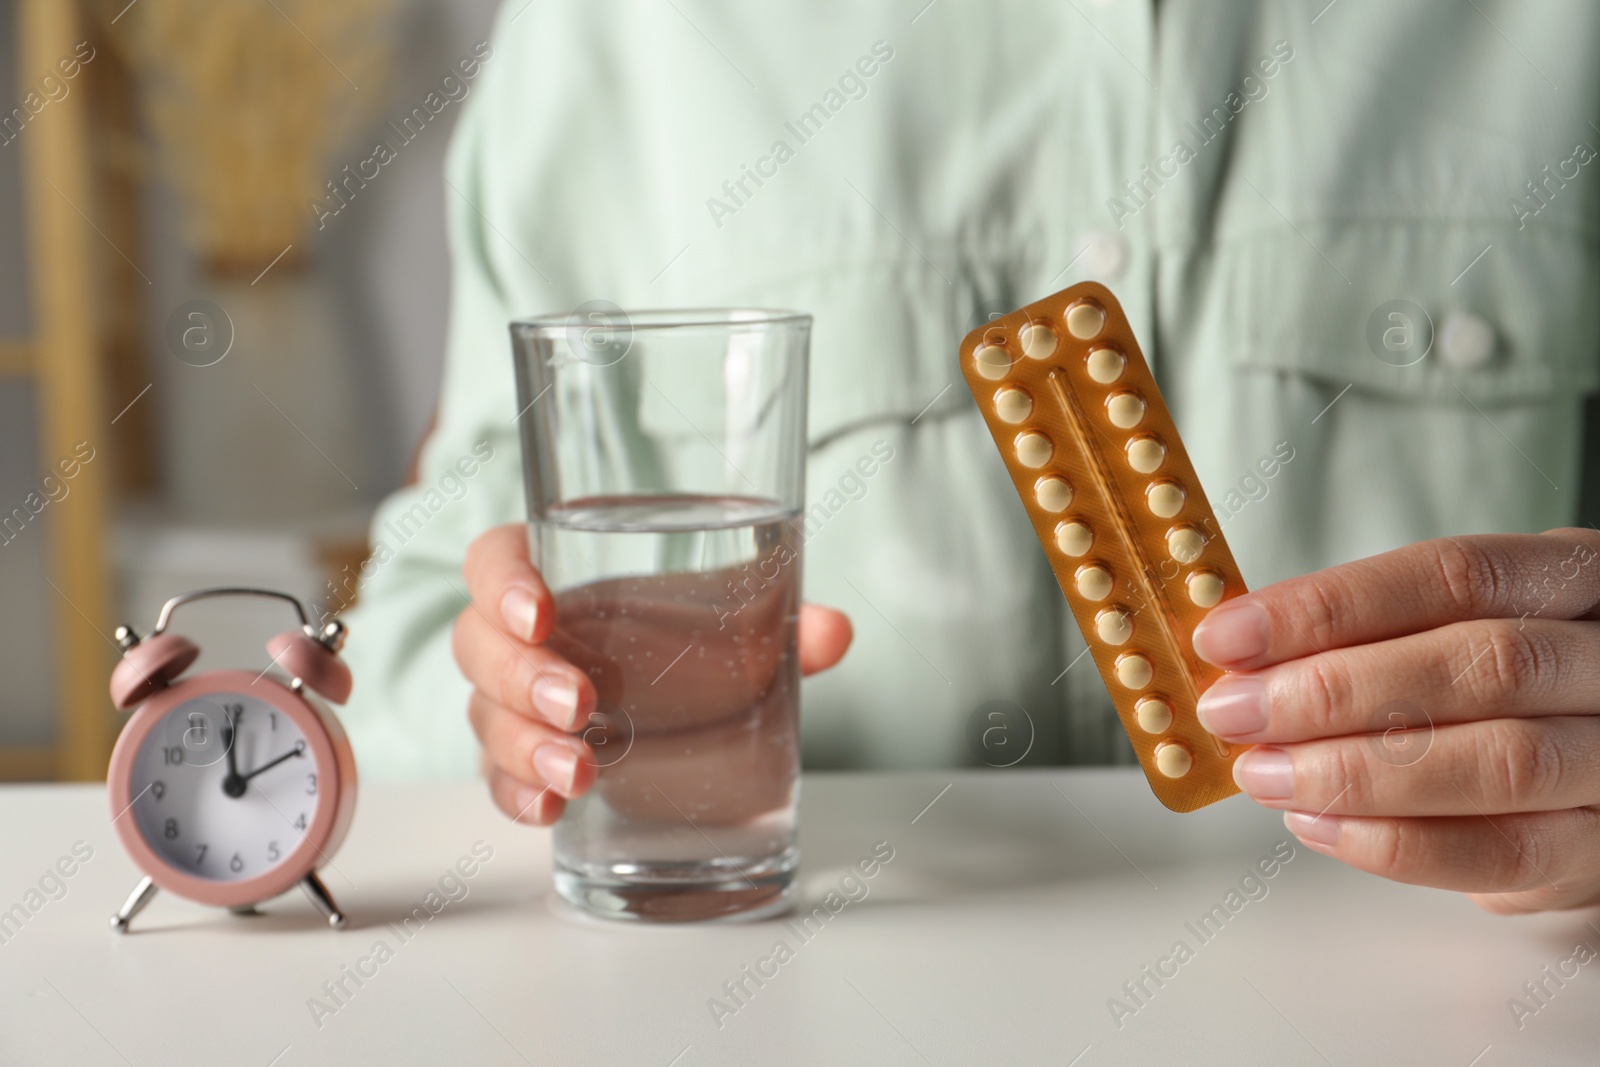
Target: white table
point(1016, 906)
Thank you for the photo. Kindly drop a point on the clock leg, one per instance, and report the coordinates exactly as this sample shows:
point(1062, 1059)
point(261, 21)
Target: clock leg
point(142, 894)
point(323, 900)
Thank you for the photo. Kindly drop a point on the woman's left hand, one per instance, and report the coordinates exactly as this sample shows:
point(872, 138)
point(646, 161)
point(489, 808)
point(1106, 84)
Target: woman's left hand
point(1431, 715)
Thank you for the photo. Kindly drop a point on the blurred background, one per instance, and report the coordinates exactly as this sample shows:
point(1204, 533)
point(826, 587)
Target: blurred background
point(223, 289)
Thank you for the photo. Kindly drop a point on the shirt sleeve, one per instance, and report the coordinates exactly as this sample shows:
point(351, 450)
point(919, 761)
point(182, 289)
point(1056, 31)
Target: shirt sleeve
point(407, 714)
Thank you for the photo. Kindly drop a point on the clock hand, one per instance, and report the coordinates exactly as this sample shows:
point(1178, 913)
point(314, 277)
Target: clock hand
point(298, 750)
point(232, 784)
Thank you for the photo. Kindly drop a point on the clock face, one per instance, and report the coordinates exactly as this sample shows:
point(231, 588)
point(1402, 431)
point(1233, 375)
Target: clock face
point(224, 787)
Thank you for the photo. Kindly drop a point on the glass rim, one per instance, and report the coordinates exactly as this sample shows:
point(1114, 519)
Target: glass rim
point(665, 319)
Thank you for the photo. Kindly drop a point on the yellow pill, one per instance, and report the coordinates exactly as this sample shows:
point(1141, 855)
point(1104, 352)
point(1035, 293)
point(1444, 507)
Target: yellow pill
point(1033, 449)
point(1038, 341)
point(1145, 454)
point(1053, 494)
point(1074, 539)
point(1154, 715)
point(1165, 499)
point(1094, 583)
point(1185, 544)
point(992, 361)
point(1113, 626)
point(1105, 365)
point(1126, 410)
point(1173, 759)
point(1134, 671)
point(1205, 588)
point(1085, 320)
point(1013, 405)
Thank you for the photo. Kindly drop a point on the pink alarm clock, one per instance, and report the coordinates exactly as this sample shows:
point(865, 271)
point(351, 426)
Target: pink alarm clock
point(230, 787)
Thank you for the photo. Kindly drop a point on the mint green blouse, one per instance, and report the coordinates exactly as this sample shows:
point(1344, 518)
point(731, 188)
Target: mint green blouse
point(1358, 246)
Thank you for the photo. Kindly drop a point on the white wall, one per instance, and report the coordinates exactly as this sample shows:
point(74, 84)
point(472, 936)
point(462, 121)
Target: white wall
point(387, 250)
point(384, 256)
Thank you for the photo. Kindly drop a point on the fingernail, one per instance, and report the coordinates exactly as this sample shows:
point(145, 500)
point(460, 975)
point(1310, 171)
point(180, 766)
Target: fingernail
point(556, 697)
point(1315, 829)
point(1232, 633)
point(558, 766)
point(1234, 706)
point(1265, 773)
point(520, 612)
point(528, 802)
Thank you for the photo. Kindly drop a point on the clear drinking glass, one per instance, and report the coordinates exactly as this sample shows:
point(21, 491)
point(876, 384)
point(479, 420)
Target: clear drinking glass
point(664, 459)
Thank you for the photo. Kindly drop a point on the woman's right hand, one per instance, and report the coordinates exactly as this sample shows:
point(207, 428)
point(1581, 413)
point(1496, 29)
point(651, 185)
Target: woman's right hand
point(527, 702)
point(529, 705)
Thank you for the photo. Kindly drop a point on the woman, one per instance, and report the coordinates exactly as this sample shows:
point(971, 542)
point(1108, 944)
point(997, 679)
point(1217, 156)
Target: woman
point(1356, 245)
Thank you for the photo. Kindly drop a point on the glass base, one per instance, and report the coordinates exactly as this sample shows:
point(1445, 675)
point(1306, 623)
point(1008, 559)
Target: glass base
point(681, 893)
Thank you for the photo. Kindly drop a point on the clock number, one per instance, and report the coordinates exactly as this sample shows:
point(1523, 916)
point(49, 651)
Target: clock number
point(201, 854)
point(158, 789)
point(171, 830)
point(300, 823)
point(172, 755)
point(272, 851)
point(197, 725)
point(311, 787)
point(273, 716)
point(236, 864)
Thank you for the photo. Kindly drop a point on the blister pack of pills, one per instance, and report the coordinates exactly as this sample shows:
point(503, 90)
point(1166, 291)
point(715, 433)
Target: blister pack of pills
point(1097, 461)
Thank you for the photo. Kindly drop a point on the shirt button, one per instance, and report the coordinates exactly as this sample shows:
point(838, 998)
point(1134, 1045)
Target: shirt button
point(1103, 255)
point(1466, 340)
